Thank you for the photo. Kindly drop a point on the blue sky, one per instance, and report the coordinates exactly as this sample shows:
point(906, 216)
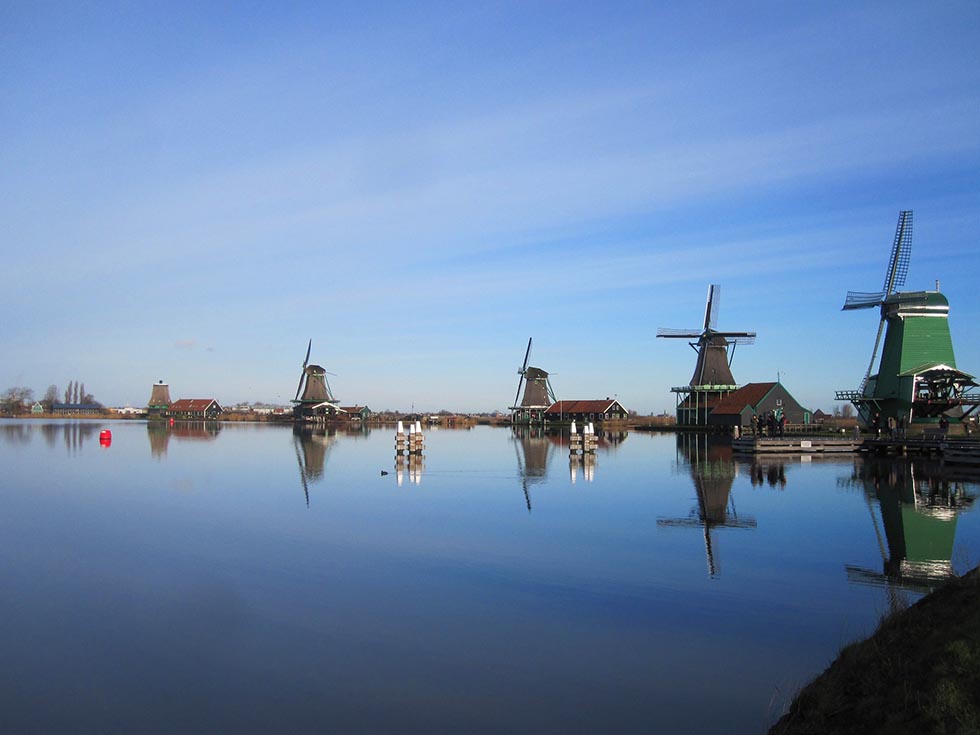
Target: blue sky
point(190, 192)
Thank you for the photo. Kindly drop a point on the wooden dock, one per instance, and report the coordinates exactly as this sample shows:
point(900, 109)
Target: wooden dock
point(797, 445)
point(956, 450)
point(962, 452)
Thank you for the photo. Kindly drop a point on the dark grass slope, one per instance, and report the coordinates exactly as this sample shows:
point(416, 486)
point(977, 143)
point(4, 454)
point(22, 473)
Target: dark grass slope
point(919, 673)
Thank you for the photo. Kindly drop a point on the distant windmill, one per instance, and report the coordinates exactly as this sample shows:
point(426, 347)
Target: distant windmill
point(917, 379)
point(712, 377)
point(714, 360)
point(538, 395)
point(316, 394)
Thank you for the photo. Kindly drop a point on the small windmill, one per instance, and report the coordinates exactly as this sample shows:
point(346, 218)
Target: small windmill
point(316, 394)
point(898, 268)
point(714, 359)
point(538, 395)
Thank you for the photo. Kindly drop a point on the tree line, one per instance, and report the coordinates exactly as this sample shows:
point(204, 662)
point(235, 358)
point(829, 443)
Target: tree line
point(19, 399)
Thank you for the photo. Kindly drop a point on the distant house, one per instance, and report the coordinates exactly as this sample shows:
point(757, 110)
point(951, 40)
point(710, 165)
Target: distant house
point(356, 413)
point(76, 409)
point(37, 407)
point(737, 408)
point(607, 409)
point(194, 408)
point(820, 416)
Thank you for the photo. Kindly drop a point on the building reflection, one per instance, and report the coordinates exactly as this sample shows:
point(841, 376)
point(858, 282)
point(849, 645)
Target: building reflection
point(709, 460)
point(768, 471)
point(160, 433)
point(311, 447)
point(71, 434)
point(918, 504)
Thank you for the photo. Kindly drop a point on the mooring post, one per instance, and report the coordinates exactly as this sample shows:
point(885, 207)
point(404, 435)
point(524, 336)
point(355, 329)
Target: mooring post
point(401, 443)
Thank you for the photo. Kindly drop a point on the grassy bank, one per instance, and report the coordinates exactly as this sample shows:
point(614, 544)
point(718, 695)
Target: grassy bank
point(919, 673)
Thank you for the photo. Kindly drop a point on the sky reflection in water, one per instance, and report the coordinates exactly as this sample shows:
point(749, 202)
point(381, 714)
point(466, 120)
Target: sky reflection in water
point(249, 578)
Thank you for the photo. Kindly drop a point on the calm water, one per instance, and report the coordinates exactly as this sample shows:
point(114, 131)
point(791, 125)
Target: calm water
point(244, 578)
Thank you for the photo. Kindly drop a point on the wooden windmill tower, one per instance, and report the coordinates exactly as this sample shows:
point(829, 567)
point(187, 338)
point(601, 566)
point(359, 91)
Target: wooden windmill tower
point(712, 379)
point(316, 400)
point(538, 395)
point(159, 400)
point(917, 378)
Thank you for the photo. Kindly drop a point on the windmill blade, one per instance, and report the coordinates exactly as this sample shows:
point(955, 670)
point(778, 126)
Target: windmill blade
point(898, 264)
point(520, 381)
point(671, 333)
point(863, 300)
point(309, 347)
point(711, 306)
point(742, 340)
point(734, 334)
point(300, 386)
point(874, 353)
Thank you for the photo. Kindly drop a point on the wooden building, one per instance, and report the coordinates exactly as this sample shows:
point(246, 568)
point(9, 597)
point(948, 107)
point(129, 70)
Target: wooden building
point(194, 408)
point(737, 408)
point(606, 409)
point(76, 409)
point(356, 413)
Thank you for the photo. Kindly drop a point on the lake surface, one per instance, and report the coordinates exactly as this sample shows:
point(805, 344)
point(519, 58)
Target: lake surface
point(246, 578)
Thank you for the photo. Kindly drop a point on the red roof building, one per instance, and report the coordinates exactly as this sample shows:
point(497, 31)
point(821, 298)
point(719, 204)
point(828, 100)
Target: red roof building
point(194, 408)
point(737, 408)
point(607, 409)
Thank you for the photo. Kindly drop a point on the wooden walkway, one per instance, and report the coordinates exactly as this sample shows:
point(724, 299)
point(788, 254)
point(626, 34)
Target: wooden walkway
point(797, 445)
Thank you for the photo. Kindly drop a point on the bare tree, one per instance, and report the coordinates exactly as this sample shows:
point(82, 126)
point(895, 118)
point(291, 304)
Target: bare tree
point(81, 394)
point(14, 400)
point(68, 393)
point(847, 410)
point(50, 397)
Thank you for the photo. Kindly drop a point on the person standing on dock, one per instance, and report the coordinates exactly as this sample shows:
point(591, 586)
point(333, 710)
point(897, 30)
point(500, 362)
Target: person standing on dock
point(782, 426)
point(755, 425)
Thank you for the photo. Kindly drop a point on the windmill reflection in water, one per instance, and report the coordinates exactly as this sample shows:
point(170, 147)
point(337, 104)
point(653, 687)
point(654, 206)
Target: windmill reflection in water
point(311, 454)
point(713, 472)
point(919, 503)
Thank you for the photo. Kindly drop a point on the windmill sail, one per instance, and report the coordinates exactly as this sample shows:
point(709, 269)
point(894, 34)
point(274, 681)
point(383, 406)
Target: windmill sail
point(898, 268)
point(895, 273)
point(714, 358)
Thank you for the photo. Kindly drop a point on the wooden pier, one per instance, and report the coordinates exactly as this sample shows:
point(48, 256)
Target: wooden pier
point(963, 452)
point(797, 445)
point(956, 450)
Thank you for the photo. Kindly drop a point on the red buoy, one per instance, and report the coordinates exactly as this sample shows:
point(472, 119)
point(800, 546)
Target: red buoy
point(105, 437)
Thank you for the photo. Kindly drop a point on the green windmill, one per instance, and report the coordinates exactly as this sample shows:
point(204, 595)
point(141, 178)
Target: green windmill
point(917, 378)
